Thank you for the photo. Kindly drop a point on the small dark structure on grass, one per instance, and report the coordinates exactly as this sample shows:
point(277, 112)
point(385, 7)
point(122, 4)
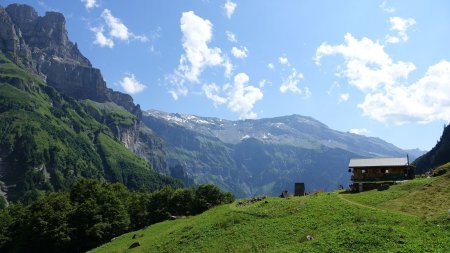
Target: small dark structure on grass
point(299, 189)
point(284, 194)
point(379, 173)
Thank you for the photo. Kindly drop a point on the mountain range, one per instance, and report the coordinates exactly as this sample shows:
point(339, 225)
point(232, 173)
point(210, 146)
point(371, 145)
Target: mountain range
point(263, 156)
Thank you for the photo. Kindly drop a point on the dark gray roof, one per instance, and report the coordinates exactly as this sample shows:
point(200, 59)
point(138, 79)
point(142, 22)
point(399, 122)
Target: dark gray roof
point(376, 162)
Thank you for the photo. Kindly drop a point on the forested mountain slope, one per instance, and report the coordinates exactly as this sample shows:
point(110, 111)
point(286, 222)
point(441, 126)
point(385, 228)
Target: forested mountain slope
point(437, 156)
point(58, 120)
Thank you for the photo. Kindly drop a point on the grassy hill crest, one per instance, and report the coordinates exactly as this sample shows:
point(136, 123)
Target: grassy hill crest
point(409, 217)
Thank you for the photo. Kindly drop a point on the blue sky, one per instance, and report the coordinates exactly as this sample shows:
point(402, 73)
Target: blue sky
point(377, 68)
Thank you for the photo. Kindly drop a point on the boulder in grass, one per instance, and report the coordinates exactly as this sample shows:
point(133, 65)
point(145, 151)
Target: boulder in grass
point(134, 245)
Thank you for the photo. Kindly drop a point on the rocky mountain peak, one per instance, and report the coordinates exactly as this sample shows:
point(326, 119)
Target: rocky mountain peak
point(22, 14)
point(11, 41)
point(41, 44)
point(53, 27)
point(45, 34)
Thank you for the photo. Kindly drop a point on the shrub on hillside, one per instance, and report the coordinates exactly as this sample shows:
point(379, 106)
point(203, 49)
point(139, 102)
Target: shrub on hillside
point(93, 213)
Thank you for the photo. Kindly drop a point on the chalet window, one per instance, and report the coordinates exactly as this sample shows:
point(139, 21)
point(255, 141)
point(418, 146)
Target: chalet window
point(387, 171)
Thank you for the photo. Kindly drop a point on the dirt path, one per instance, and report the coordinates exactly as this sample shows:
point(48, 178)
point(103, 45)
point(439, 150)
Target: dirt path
point(358, 204)
point(372, 207)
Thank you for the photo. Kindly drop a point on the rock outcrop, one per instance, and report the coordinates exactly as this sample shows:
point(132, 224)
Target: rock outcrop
point(12, 43)
point(42, 45)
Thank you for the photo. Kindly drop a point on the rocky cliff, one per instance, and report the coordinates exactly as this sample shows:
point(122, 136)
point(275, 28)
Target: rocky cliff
point(49, 140)
point(41, 44)
point(58, 119)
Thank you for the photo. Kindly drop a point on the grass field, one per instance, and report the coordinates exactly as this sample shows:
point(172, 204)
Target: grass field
point(409, 217)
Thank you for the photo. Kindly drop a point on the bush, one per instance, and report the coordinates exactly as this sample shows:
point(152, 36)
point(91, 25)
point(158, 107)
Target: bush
point(93, 213)
point(207, 196)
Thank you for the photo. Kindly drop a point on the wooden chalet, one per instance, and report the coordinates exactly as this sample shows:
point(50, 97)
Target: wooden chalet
point(377, 173)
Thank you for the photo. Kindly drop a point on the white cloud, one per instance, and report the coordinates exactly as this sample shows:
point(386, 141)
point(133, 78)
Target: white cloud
point(360, 131)
point(101, 39)
point(343, 97)
point(334, 86)
point(384, 6)
point(178, 87)
point(131, 85)
point(89, 4)
point(229, 7)
point(141, 38)
point(424, 101)
point(228, 65)
point(197, 33)
point(283, 60)
point(182, 91)
point(239, 53)
point(388, 99)
point(117, 30)
point(231, 36)
point(178, 91)
point(392, 39)
point(211, 91)
point(270, 66)
point(263, 83)
point(367, 65)
point(242, 97)
point(239, 97)
point(399, 25)
point(291, 83)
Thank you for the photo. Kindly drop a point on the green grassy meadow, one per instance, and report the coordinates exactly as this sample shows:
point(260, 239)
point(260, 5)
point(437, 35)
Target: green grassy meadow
point(409, 217)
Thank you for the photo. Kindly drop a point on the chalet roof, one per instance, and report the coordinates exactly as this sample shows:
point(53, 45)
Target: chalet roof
point(378, 162)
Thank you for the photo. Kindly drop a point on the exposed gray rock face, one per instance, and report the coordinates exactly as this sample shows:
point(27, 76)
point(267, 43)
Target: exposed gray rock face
point(41, 44)
point(151, 147)
point(12, 43)
point(46, 36)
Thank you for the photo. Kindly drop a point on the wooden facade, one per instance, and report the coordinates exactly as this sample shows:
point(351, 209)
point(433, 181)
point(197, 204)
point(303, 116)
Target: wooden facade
point(373, 172)
point(381, 173)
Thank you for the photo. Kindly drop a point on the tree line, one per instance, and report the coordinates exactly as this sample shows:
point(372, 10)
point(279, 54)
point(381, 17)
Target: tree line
point(92, 213)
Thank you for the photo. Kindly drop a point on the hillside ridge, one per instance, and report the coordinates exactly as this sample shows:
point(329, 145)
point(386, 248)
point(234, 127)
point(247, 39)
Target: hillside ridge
point(374, 221)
